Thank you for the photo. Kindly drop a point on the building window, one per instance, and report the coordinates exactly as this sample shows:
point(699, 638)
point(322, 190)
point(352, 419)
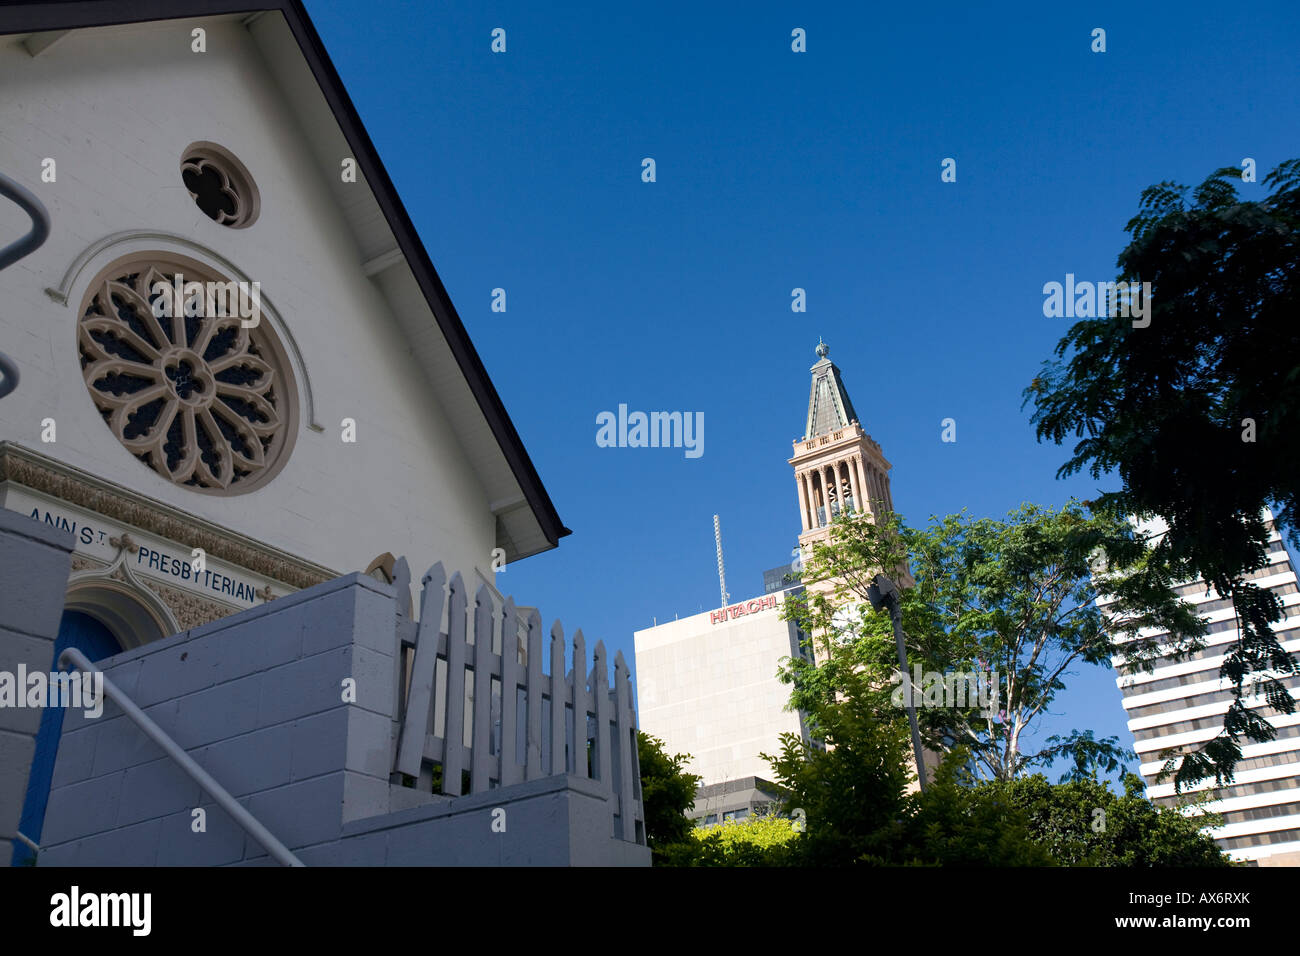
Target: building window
point(205, 402)
point(220, 185)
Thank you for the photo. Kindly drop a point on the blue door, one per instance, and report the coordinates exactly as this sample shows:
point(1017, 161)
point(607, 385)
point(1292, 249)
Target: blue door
point(97, 642)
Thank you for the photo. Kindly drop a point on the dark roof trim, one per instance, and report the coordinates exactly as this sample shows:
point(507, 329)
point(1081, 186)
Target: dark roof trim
point(80, 14)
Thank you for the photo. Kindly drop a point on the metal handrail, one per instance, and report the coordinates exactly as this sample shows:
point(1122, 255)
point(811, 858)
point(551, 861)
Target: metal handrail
point(11, 253)
point(8, 375)
point(40, 222)
point(250, 824)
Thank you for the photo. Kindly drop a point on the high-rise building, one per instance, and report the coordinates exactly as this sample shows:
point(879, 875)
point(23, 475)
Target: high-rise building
point(707, 685)
point(1182, 704)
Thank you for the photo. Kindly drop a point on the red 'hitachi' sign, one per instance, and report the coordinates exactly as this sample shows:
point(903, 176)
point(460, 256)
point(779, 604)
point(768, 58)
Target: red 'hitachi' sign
point(744, 607)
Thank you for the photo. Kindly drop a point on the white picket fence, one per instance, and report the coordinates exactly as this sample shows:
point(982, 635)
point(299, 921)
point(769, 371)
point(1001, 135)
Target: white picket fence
point(512, 723)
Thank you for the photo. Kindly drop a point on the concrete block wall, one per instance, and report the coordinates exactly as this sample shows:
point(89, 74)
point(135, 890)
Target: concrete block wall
point(35, 560)
point(555, 821)
point(257, 699)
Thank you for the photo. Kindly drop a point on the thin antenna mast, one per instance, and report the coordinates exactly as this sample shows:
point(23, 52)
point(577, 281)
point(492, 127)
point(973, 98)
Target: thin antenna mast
point(722, 569)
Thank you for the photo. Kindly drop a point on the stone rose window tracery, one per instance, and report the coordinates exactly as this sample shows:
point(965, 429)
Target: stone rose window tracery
point(203, 401)
point(220, 185)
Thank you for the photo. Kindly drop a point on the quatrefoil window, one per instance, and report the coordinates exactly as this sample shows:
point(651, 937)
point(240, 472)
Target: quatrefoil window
point(220, 185)
point(200, 399)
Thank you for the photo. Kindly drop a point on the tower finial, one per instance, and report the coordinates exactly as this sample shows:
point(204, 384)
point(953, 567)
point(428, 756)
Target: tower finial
point(822, 348)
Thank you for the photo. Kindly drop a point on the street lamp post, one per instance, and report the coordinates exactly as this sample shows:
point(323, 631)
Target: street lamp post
point(884, 593)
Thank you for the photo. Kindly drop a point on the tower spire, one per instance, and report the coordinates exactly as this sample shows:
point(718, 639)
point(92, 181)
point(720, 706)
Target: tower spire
point(838, 467)
point(829, 406)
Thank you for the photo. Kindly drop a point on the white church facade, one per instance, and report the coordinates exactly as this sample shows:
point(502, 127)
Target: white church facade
point(238, 374)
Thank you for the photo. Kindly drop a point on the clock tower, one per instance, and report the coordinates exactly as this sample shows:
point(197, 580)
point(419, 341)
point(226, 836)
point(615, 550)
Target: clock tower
point(838, 467)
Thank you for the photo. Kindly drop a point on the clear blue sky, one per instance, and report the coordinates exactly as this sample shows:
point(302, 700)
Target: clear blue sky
point(778, 170)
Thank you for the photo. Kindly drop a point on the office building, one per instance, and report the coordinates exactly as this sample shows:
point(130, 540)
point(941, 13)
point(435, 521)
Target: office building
point(1181, 704)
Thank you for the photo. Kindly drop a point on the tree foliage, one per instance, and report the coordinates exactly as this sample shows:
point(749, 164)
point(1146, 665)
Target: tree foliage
point(955, 824)
point(1084, 823)
point(859, 812)
point(850, 784)
point(1199, 414)
point(1012, 604)
point(766, 840)
point(667, 792)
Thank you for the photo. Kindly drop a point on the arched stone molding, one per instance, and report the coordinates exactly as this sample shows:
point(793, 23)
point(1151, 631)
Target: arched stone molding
point(122, 602)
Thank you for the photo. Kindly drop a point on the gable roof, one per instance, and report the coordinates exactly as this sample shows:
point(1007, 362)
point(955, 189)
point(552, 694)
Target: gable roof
point(526, 518)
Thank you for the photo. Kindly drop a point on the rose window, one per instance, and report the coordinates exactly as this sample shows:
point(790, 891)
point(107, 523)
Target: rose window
point(189, 391)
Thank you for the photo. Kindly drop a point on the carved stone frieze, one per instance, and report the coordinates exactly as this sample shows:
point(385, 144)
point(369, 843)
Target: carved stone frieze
point(31, 470)
point(190, 610)
point(82, 563)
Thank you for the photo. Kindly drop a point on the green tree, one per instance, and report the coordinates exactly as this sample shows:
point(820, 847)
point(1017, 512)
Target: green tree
point(955, 824)
point(849, 785)
point(857, 812)
point(667, 792)
point(1012, 604)
point(1198, 413)
point(1084, 823)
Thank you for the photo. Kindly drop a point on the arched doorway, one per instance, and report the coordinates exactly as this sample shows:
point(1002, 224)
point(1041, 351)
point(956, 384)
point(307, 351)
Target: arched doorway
point(92, 637)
